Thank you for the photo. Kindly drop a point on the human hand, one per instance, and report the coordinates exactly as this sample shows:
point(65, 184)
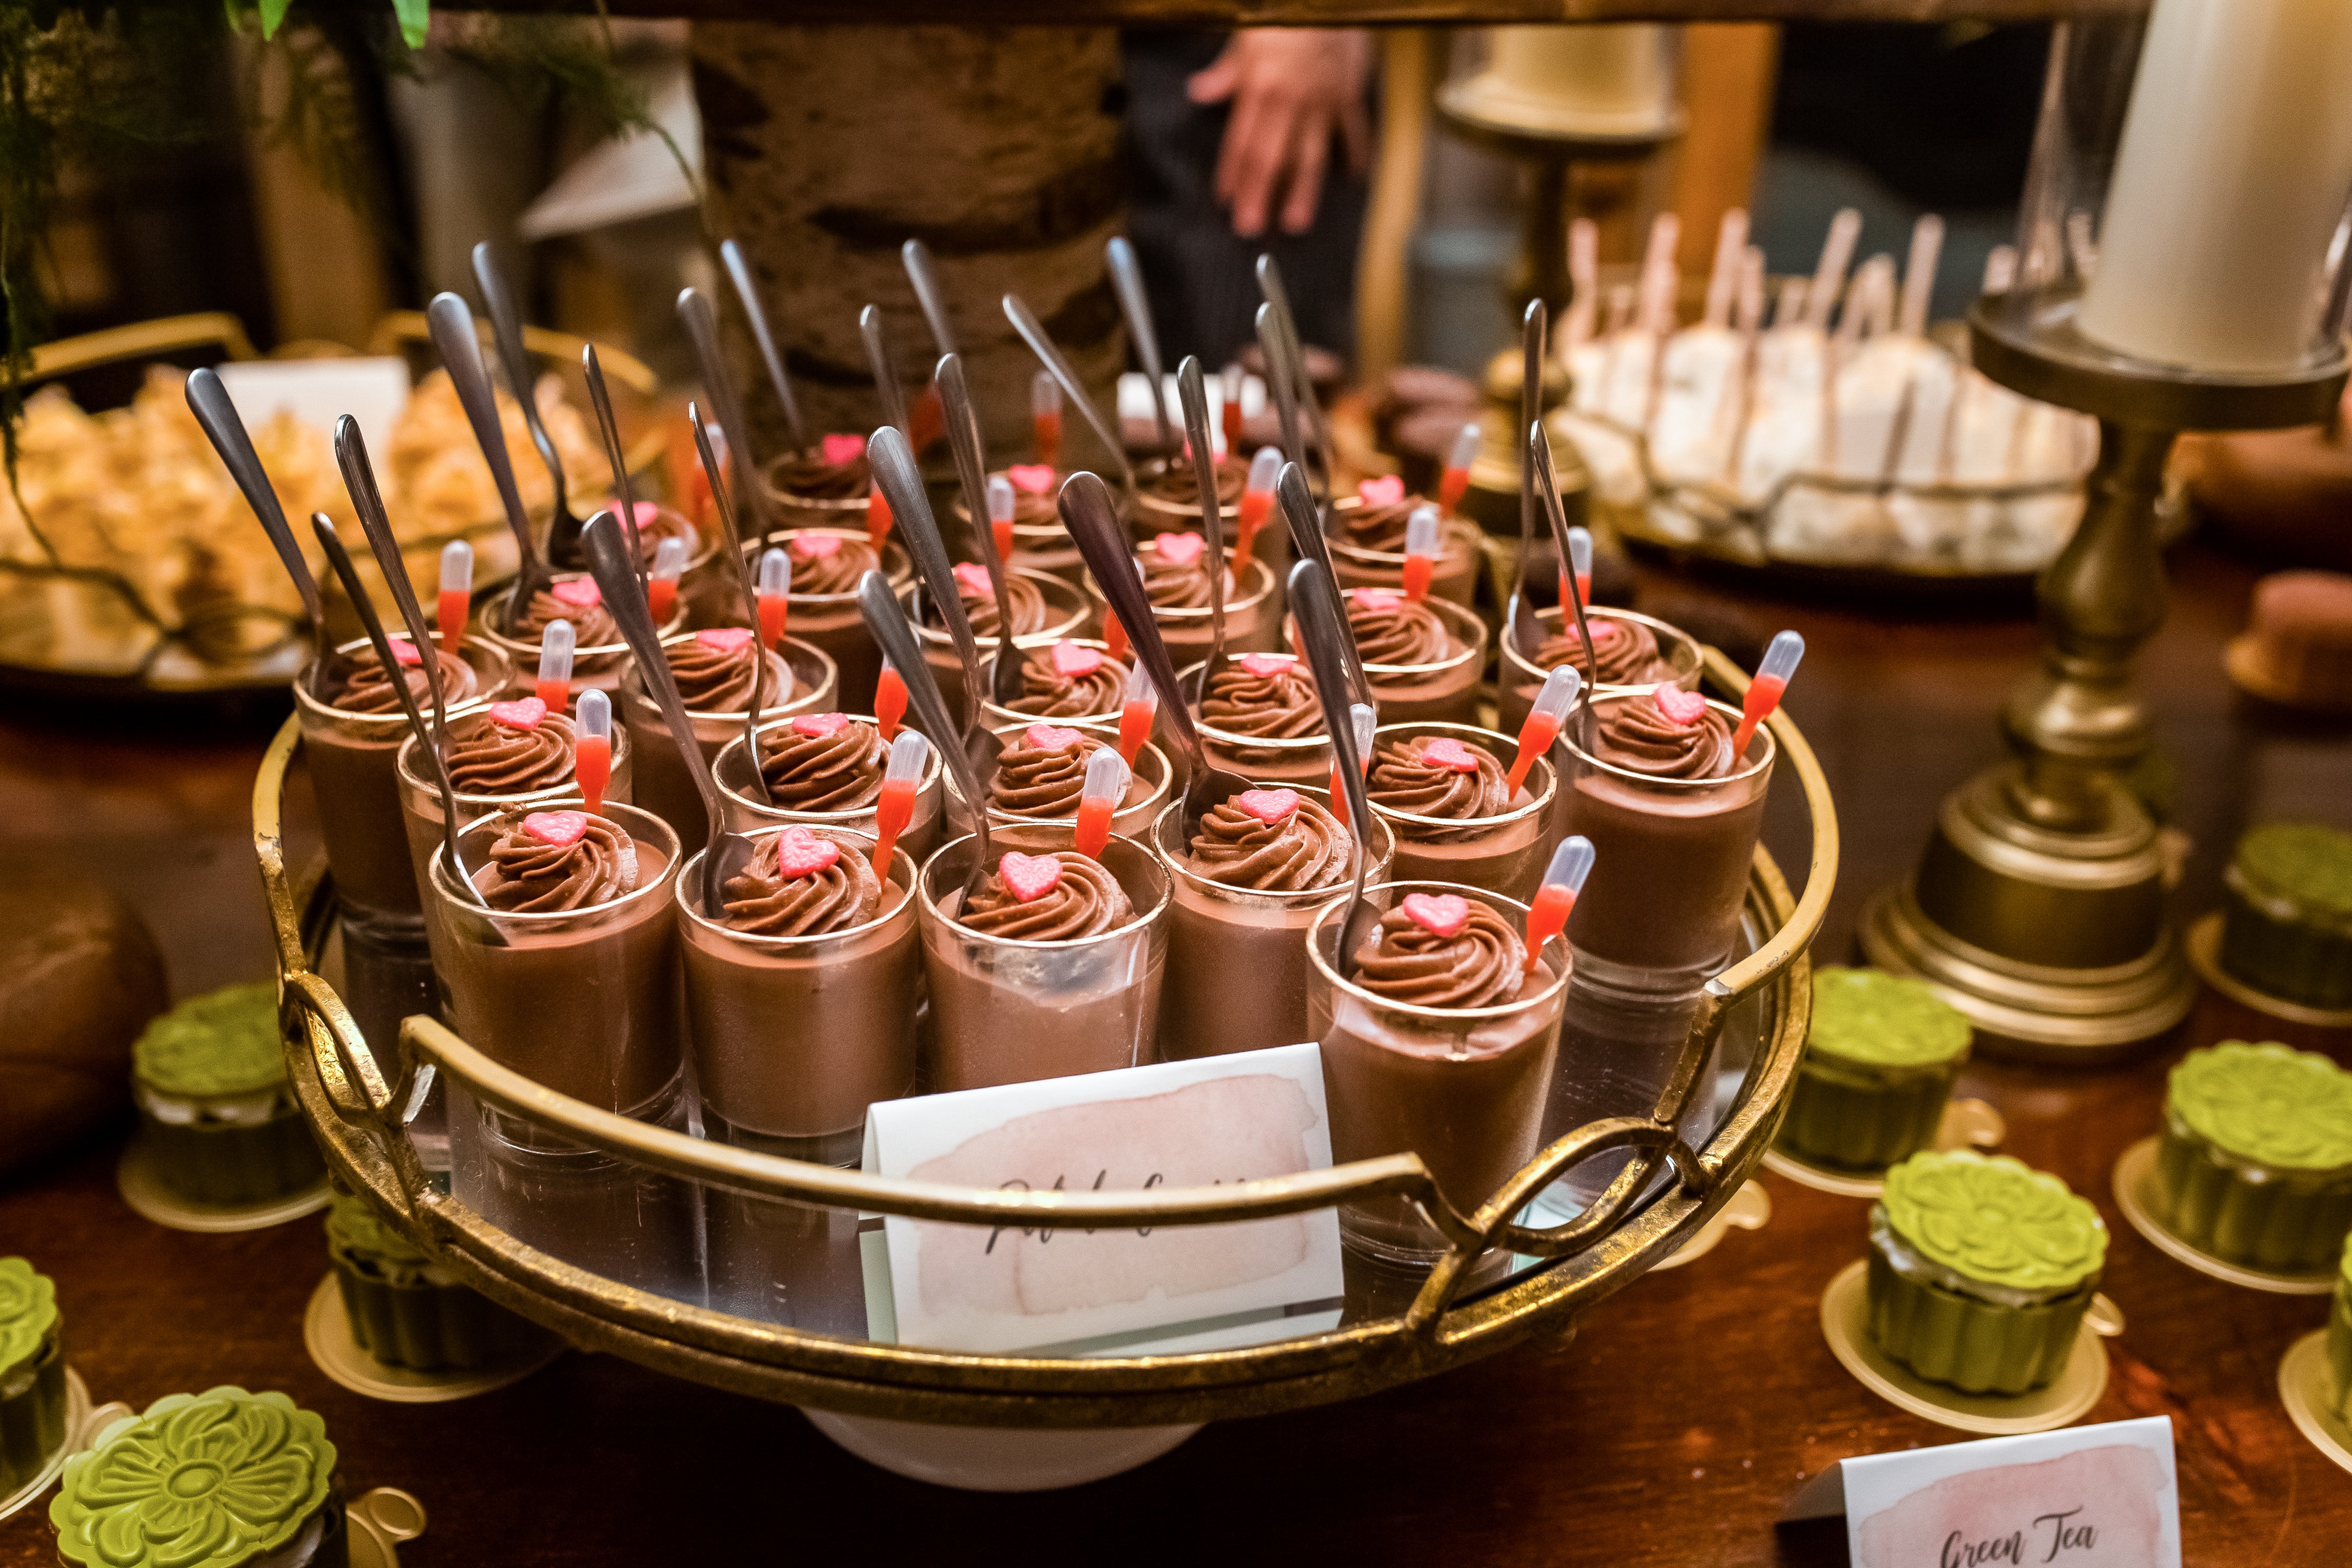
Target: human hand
point(1291, 89)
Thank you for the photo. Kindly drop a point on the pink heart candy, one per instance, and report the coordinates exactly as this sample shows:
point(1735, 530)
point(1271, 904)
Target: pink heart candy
point(556, 828)
point(577, 592)
point(724, 639)
point(815, 546)
point(972, 578)
point(800, 853)
point(1386, 490)
point(1073, 660)
point(645, 513)
point(1448, 753)
point(1602, 631)
point(523, 713)
point(1440, 914)
point(1179, 549)
point(1681, 707)
point(844, 448)
point(1375, 599)
point(1050, 737)
point(1029, 877)
point(1271, 806)
point(819, 726)
point(1035, 478)
point(1266, 663)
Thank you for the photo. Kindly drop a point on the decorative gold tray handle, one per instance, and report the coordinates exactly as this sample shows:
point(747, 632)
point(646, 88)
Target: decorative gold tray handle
point(361, 1113)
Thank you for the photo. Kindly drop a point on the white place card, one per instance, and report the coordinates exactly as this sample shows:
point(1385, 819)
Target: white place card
point(318, 392)
point(1108, 1292)
point(2087, 1497)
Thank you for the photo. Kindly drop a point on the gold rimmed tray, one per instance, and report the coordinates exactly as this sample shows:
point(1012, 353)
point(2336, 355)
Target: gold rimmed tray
point(1751, 1208)
point(1966, 1124)
point(2203, 942)
point(327, 1335)
point(2302, 1378)
point(2134, 1188)
point(143, 1190)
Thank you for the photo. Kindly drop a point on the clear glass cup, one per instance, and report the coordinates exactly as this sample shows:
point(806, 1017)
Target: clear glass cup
point(1253, 618)
point(829, 621)
point(665, 786)
point(596, 668)
point(745, 805)
point(1463, 1087)
point(1152, 512)
point(1303, 761)
point(996, 716)
point(1040, 542)
point(353, 773)
point(793, 1037)
point(1237, 963)
point(1519, 679)
point(1454, 575)
point(1007, 1011)
point(1068, 614)
point(1446, 689)
point(1671, 860)
point(704, 575)
point(845, 512)
point(1148, 788)
point(1504, 854)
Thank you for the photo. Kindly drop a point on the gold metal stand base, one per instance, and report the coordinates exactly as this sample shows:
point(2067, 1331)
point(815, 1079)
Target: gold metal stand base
point(2136, 1194)
point(2302, 1384)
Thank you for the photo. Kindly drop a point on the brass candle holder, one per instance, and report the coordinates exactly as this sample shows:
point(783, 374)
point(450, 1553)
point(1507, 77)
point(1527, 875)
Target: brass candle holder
point(2038, 906)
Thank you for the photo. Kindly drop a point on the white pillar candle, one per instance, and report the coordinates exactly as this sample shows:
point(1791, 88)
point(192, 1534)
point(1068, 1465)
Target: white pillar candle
point(2233, 173)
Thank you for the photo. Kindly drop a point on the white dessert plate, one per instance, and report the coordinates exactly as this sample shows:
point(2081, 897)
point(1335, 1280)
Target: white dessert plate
point(135, 1178)
point(997, 1459)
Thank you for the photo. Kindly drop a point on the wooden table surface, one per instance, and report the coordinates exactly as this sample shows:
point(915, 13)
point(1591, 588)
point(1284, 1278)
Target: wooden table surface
point(1671, 1431)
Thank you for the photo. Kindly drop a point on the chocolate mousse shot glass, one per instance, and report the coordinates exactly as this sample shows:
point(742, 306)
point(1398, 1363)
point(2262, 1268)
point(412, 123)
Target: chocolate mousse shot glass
point(828, 483)
point(1072, 680)
point(1249, 882)
point(1368, 543)
point(1444, 791)
point(1176, 580)
point(598, 656)
point(350, 741)
point(1041, 776)
point(825, 769)
point(1440, 1044)
point(1045, 609)
point(822, 607)
point(1261, 718)
point(1673, 817)
point(1055, 966)
point(713, 669)
point(1423, 658)
point(1040, 542)
point(1634, 653)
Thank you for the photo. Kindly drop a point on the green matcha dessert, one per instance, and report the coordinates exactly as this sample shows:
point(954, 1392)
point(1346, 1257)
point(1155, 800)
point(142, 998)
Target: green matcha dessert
point(219, 1118)
point(2339, 1340)
point(1877, 1068)
point(2287, 928)
point(218, 1479)
point(404, 1309)
point(1980, 1270)
point(2256, 1162)
point(32, 1375)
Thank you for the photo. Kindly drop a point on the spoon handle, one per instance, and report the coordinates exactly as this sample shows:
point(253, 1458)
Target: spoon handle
point(744, 584)
point(1305, 520)
point(359, 482)
point(505, 326)
point(929, 294)
point(600, 399)
point(1294, 358)
point(701, 322)
point(1548, 486)
point(1127, 281)
point(738, 272)
point(1092, 518)
point(885, 373)
point(451, 325)
point(893, 463)
point(971, 472)
point(209, 401)
point(892, 632)
point(1193, 389)
point(1032, 332)
point(1325, 632)
point(1532, 327)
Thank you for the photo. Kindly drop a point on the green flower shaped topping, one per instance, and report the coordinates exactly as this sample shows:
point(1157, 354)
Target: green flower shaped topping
point(353, 1227)
point(225, 1043)
point(2266, 1103)
point(29, 1311)
point(201, 1480)
point(1994, 1220)
point(1867, 1015)
point(2300, 862)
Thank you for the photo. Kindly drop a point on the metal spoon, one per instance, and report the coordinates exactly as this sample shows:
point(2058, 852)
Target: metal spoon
point(1278, 384)
point(1527, 630)
point(1092, 518)
point(359, 483)
point(505, 326)
point(885, 375)
point(1305, 520)
point(1194, 390)
point(1007, 683)
point(1032, 332)
point(601, 400)
point(929, 294)
point(751, 597)
point(209, 401)
point(1323, 631)
point(701, 322)
point(1548, 486)
point(341, 559)
point(896, 637)
point(1269, 283)
point(738, 272)
point(893, 462)
point(451, 325)
point(727, 854)
point(1127, 282)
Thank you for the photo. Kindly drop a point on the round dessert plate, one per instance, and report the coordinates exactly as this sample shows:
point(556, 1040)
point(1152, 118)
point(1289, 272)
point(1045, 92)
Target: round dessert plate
point(327, 1335)
point(377, 1521)
point(2135, 1184)
point(2066, 1399)
point(2204, 944)
point(83, 1423)
point(1751, 1208)
point(1966, 1124)
point(997, 1459)
point(135, 1178)
point(2303, 1389)
point(2242, 661)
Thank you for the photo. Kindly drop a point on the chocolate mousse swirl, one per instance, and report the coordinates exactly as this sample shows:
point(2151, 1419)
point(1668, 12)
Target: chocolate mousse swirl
point(836, 572)
point(592, 625)
point(1042, 782)
point(840, 771)
point(762, 901)
point(1281, 706)
point(1399, 632)
point(658, 525)
point(529, 876)
point(1173, 587)
point(1050, 694)
point(1624, 652)
point(809, 475)
point(486, 757)
point(1180, 481)
point(1037, 509)
point(1400, 781)
point(365, 688)
point(1637, 736)
point(1306, 850)
point(1378, 526)
point(980, 607)
point(1481, 966)
point(719, 680)
point(1086, 901)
